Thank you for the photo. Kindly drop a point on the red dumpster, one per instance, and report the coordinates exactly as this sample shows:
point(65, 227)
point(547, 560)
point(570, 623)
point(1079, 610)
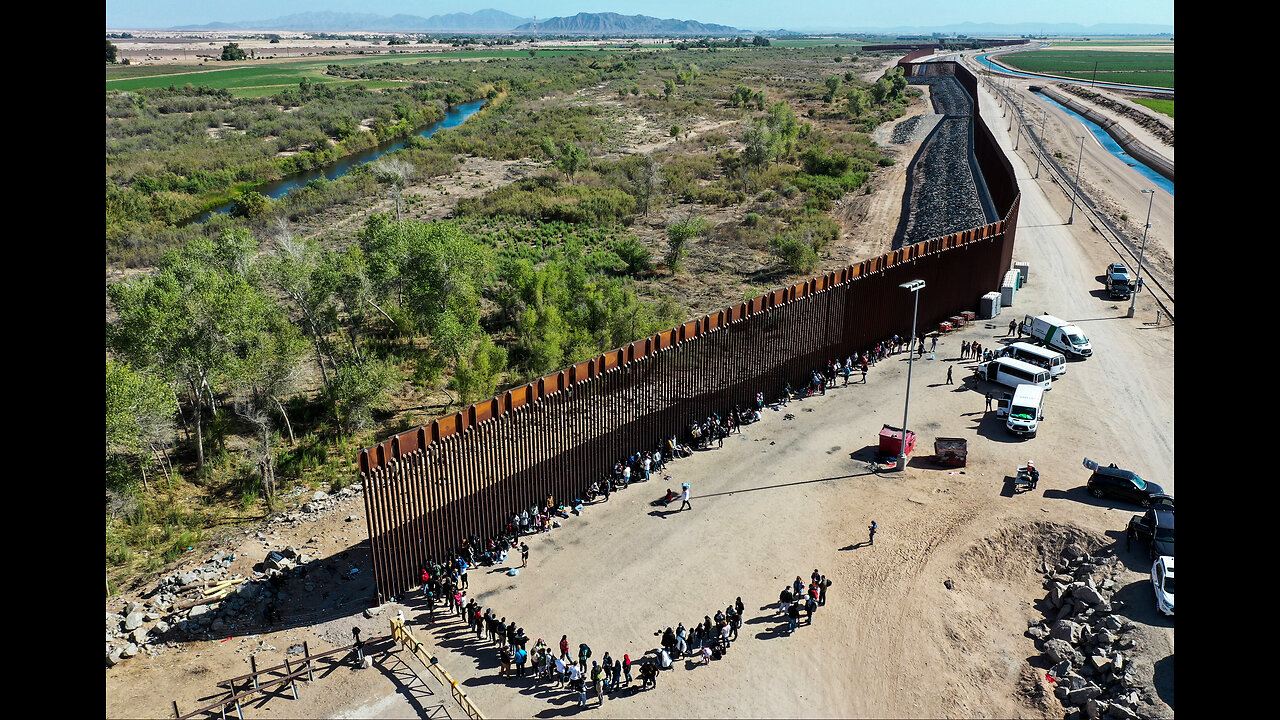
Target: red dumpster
point(891, 441)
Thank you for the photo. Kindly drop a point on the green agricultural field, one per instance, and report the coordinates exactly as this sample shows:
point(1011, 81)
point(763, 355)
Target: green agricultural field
point(121, 72)
point(1140, 68)
point(259, 79)
point(1160, 106)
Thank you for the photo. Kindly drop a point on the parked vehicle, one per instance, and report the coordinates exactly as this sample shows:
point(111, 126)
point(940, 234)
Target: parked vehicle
point(1013, 373)
point(1124, 484)
point(1120, 284)
point(1059, 334)
point(1162, 582)
point(1002, 404)
point(1054, 362)
point(1026, 410)
point(1155, 528)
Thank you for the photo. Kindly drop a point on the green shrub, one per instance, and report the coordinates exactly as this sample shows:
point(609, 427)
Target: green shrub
point(635, 256)
point(796, 254)
point(751, 219)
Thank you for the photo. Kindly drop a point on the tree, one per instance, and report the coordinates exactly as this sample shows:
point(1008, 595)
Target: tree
point(833, 88)
point(760, 41)
point(251, 204)
point(190, 319)
point(678, 235)
point(757, 139)
point(783, 129)
point(232, 51)
point(397, 173)
point(668, 87)
point(111, 52)
point(880, 91)
point(857, 103)
point(571, 159)
point(140, 412)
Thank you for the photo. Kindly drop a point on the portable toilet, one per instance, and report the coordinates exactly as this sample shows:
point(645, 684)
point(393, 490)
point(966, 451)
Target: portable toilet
point(1024, 269)
point(989, 305)
point(1008, 288)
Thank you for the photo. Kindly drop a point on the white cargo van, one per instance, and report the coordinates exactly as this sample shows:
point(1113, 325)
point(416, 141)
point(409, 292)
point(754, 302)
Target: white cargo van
point(1059, 334)
point(1013, 373)
point(1026, 410)
point(1054, 362)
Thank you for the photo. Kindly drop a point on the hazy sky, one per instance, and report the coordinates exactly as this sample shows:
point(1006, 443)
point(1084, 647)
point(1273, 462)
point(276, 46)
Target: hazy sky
point(747, 14)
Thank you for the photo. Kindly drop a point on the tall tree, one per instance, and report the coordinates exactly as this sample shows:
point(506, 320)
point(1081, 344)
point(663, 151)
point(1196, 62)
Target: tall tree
point(190, 318)
point(140, 413)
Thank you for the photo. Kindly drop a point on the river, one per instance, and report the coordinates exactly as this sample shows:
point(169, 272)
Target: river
point(454, 117)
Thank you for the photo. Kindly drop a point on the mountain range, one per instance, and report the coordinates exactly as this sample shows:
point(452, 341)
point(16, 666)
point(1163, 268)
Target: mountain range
point(611, 23)
point(483, 21)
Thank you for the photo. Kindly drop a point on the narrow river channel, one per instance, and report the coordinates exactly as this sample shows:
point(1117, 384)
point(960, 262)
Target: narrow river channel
point(453, 117)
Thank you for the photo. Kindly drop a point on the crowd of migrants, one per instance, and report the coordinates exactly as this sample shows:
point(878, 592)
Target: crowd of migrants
point(709, 640)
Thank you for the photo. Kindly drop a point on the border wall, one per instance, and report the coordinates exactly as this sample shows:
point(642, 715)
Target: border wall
point(428, 488)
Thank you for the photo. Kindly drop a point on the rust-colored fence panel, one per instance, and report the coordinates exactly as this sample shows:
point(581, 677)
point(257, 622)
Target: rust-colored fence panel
point(466, 474)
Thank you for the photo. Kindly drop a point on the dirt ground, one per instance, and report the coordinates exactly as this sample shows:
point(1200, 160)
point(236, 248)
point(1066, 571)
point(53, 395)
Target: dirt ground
point(788, 495)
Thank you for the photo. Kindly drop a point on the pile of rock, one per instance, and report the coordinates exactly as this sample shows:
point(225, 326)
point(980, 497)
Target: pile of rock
point(1090, 649)
point(320, 504)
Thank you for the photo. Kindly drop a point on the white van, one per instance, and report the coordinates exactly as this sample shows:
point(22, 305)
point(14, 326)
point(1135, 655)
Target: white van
point(1054, 362)
point(1026, 410)
point(1013, 373)
point(1058, 333)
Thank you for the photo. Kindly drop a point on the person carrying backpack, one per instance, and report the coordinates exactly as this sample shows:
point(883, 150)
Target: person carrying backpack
point(584, 653)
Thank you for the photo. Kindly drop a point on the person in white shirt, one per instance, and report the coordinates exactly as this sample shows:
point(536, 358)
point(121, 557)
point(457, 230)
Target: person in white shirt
point(684, 497)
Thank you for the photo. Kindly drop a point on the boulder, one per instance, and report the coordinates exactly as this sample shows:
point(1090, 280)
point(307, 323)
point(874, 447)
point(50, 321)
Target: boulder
point(197, 612)
point(319, 495)
point(1065, 630)
point(1083, 695)
point(1118, 712)
point(114, 657)
point(1101, 663)
point(133, 621)
point(1056, 592)
point(373, 611)
point(1087, 594)
point(161, 628)
point(128, 651)
point(139, 636)
point(1072, 551)
point(1060, 650)
point(1037, 632)
point(1094, 709)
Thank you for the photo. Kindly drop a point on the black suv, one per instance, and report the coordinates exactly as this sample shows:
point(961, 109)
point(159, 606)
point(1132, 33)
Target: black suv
point(1155, 528)
point(1126, 485)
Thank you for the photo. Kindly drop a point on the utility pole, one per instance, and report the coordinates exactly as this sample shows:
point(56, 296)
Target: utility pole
point(1076, 190)
point(1142, 254)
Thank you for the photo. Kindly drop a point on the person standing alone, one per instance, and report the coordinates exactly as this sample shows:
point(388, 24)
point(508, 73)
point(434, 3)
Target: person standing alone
point(684, 497)
point(872, 531)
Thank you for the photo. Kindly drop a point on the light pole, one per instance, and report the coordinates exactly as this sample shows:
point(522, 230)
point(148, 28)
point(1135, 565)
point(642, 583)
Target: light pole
point(1076, 190)
point(914, 287)
point(1142, 253)
point(1042, 116)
